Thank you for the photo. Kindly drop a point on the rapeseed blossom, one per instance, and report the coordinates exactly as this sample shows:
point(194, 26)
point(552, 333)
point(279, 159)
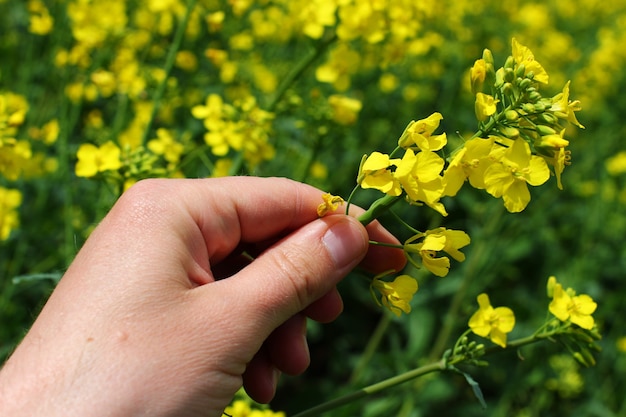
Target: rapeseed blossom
point(509, 177)
point(566, 305)
point(10, 200)
point(434, 241)
point(420, 133)
point(492, 322)
point(93, 159)
point(419, 176)
point(375, 172)
point(396, 295)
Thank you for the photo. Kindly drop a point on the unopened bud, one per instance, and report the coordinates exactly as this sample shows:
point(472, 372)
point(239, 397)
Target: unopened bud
point(549, 118)
point(509, 132)
point(535, 97)
point(509, 75)
point(520, 70)
point(524, 83)
point(511, 115)
point(488, 57)
point(552, 141)
point(545, 130)
point(539, 107)
point(509, 63)
point(478, 73)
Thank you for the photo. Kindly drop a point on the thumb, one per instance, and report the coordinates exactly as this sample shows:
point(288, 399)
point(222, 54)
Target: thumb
point(298, 270)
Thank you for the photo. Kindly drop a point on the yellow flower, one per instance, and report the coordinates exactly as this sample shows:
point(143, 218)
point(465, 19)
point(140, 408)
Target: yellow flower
point(330, 203)
point(509, 178)
point(484, 106)
point(478, 73)
point(93, 159)
point(396, 295)
point(523, 55)
point(10, 200)
point(491, 322)
point(345, 110)
point(575, 308)
point(165, 145)
point(419, 175)
point(564, 109)
point(420, 133)
point(616, 165)
point(375, 173)
point(437, 240)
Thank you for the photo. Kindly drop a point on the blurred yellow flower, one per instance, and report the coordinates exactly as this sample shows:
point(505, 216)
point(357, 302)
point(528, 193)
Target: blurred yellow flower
point(41, 23)
point(166, 145)
point(345, 110)
point(491, 322)
point(616, 165)
point(93, 159)
point(396, 295)
point(10, 200)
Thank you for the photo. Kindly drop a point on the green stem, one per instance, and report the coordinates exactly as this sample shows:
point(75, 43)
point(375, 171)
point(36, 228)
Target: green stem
point(298, 70)
point(373, 389)
point(371, 347)
point(437, 366)
point(377, 208)
point(169, 64)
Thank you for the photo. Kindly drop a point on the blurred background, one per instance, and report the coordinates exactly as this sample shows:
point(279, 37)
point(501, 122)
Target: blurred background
point(302, 89)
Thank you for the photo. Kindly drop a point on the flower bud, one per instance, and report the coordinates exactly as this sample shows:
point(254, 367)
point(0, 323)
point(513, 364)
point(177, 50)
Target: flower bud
point(520, 70)
point(477, 75)
point(488, 57)
point(545, 130)
point(524, 83)
point(509, 75)
point(509, 63)
point(509, 132)
point(511, 115)
point(507, 89)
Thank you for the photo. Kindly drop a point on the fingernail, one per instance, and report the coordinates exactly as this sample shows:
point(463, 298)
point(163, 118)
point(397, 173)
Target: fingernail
point(345, 242)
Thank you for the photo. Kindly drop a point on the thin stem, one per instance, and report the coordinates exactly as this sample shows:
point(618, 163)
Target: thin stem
point(377, 208)
point(371, 347)
point(373, 389)
point(167, 68)
point(387, 245)
point(298, 70)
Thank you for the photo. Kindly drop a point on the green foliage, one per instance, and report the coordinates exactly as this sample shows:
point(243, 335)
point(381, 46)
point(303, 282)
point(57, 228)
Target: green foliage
point(306, 89)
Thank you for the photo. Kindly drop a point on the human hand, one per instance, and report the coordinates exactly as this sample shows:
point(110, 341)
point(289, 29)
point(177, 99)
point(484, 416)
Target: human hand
point(142, 324)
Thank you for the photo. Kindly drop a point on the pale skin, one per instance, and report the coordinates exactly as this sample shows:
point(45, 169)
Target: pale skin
point(159, 315)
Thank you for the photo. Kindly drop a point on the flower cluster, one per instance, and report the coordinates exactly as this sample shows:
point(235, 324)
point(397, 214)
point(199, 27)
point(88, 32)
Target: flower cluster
point(18, 158)
point(520, 135)
point(418, 174)
point(242, 126)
